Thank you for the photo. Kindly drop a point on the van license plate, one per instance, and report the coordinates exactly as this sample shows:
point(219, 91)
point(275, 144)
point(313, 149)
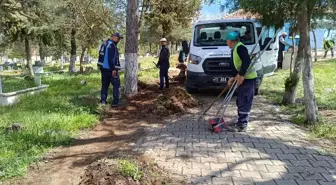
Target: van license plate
point(220, 79)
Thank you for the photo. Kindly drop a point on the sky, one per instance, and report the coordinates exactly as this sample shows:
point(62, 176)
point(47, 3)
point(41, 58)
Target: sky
point(211, 11)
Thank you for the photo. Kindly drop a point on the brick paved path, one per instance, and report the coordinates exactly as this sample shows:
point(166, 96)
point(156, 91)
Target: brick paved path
point(272, 152)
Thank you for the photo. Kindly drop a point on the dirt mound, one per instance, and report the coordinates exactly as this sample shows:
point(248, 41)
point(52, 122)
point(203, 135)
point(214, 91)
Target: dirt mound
point(176, 100)
point(139, 171)
point(150, 101)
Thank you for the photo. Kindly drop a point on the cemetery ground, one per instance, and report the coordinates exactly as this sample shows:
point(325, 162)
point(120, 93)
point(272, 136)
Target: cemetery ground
point(47, 150)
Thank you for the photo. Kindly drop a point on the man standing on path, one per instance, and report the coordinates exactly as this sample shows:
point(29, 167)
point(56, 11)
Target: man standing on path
point(110, 70)
point(246, 81)
point(282, 45)
point(163, 63)
point(101, 55)
point(328, 45)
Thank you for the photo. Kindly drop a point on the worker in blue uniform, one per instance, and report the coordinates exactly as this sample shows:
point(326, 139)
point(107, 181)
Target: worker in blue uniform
point(110, 70)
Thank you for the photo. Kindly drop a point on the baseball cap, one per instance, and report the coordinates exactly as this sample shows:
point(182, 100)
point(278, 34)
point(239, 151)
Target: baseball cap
point(117, 35)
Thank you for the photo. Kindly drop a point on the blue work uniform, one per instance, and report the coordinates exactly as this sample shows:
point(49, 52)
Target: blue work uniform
point(111, 63)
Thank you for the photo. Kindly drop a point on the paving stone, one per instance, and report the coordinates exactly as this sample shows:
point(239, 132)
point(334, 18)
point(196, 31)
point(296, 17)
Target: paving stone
point(286, 182)
point(250, 174)
point(238, 167)
point(320, 163)
point(323, 158)
point(262, 145)
point(312, 176)
point(289, 176)
point(266, 183)
point(230, 173)
point(276, 168)
point(312, 182)
point(257, 167)
point(263, 162)
point(304, 156)
point(222, 181)
point(218, 166)
point(300, 163)
point(188, 171)
point(329, 177)
point(250, 155)
point(326, 183)
point(242, 181)
point(226, 160)
point(211, 173)
point(209, 159)
point(270, 175)
point(286, 157)
point(273, 150)
point(256, 150)
point(233, 155)
point(297, 169)
point(200, 154)
point(290, 151)
point(205, 165)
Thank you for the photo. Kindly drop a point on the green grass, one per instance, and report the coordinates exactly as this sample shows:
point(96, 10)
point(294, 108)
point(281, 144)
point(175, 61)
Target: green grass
point(11, 84)
point(325, 92)
point(51, 118)
point(130, 169)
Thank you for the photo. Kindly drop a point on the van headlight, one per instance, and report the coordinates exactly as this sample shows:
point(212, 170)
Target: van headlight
point(194, 59)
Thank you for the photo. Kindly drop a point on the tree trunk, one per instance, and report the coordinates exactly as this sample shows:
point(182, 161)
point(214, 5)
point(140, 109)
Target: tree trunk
point(293, 80)
point(131, 49)
point(28, 56)
point(315, 44)
point(41, 52)
point(73, 52)
point(329, 30)
point(291, 62)
point(81, 59)
point(311, 108)
point(150, 48)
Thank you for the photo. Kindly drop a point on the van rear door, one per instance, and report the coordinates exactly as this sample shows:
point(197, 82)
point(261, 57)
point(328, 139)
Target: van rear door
point(269, 57)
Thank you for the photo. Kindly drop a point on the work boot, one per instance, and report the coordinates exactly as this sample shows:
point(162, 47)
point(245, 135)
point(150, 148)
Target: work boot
point(237, 129)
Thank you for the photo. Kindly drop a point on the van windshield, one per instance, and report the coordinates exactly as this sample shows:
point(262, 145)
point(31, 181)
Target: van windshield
point(214, 34)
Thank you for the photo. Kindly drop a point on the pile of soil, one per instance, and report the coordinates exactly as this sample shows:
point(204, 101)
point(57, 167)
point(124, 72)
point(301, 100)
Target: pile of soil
point(108, 172)
point(176, 100)
point(150, 101)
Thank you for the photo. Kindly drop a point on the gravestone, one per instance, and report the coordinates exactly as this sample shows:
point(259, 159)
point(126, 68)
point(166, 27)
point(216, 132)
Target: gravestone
point(38, 80)
point(0, 85)
point(9, 68)
point(1, 68)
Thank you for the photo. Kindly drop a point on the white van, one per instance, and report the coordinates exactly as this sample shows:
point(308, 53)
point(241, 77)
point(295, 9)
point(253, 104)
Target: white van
point(209, 63)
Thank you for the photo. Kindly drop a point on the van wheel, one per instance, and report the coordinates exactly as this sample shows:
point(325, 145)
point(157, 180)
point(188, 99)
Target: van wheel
point(191, 90)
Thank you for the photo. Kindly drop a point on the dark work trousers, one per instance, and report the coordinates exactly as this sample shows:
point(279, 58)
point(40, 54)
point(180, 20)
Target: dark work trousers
point(326, 52)
point(164, 77)
point(245, 94)
point(107, 79)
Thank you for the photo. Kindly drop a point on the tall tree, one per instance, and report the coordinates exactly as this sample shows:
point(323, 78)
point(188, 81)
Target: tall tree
point(131, 50)
point(165, 15)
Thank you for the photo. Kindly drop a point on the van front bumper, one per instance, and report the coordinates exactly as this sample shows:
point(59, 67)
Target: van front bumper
point(199, 80)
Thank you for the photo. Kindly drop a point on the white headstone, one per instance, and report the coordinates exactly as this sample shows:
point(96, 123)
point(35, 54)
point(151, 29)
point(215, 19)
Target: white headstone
point(38, 80)
point(0, 85)
point(1, 68)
